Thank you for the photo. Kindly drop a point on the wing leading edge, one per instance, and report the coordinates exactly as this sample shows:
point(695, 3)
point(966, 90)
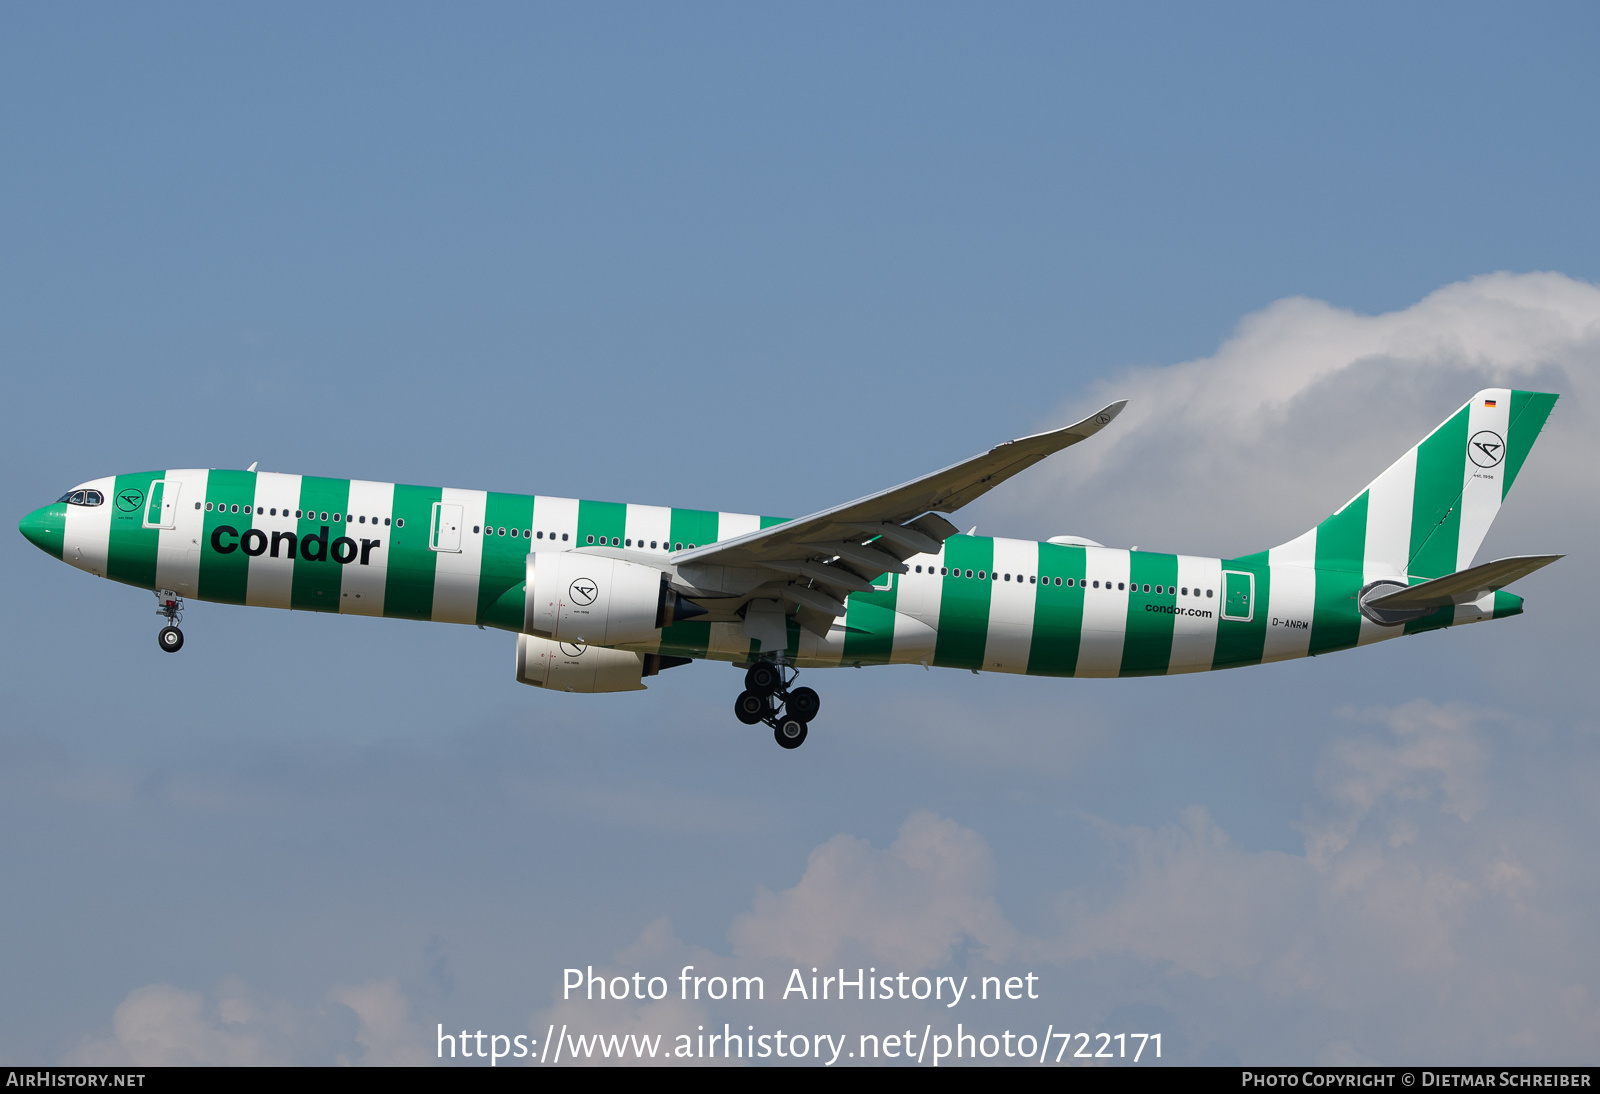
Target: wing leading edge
point(821, 558)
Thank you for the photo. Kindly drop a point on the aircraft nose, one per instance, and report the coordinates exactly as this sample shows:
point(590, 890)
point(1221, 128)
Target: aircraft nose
point(46, 528)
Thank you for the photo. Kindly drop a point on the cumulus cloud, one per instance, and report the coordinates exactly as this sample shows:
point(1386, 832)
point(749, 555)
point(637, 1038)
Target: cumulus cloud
point(1304, 405)
point(160, 1025)
point(1426, 918)
point(1431, 913)
point(908, 906)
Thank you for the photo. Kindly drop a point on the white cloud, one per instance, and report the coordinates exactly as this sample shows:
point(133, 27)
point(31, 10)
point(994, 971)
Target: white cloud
point(1427, 918)
point(908, 906)
point(1305, 405)
point(160, 1025)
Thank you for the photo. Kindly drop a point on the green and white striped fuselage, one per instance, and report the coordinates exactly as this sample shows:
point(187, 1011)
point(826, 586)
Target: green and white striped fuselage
point(992, 604)
point(602, 595)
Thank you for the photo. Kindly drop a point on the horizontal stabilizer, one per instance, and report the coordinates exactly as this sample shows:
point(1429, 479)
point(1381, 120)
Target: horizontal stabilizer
point(1465, 587)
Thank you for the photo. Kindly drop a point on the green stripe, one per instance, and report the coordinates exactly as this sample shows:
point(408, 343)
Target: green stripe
point(1441, 617)
point(505, 557)
point(507, 613)
point(317, 580)
point(1529, 409)
point(768, 522)
point(1147, 645)
point(225, 574)
point(870, 619)
point(693, 526)
point(408, 582)
point(1506, 604)
point(1435, 507)
point(600, 522)
point(1240, 643)
point(1057, 611)
point(964, 603)
point(691, 639)
point(131, 552)
point(1341, 554)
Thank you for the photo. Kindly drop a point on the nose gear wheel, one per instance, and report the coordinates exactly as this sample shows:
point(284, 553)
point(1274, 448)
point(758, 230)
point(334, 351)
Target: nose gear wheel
point(169, 605)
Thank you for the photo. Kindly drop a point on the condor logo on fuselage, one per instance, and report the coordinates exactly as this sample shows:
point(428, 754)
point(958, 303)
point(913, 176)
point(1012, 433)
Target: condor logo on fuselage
point(313, 548)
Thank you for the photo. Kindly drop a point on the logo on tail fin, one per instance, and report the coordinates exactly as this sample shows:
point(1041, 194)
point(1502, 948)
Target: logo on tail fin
point(1486, 448)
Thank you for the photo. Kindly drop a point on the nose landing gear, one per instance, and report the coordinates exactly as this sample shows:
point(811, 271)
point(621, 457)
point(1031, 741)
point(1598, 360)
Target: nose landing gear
point(169, 607)
point(766, 691)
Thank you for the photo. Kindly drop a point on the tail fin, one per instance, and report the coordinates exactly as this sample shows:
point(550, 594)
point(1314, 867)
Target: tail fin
point(1428, 513)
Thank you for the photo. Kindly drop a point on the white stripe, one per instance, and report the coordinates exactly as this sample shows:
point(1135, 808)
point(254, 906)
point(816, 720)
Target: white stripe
point(1011, 606)
point(555, 517)
point(920, 594)
point(736, 524)
point(178, 556)
point(1105, 612)
point(361, 587)
point(645, 524)
point(88, 529)
point(914, 640)
point(1482, 487)
point(821, 652)
point(1194, 637)
point(1291, 600)
point(269, 582)
point(728, 642)
point(455, 577)
point(1388, 544)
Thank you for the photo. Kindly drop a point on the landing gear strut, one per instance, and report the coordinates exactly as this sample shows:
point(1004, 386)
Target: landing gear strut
point(169, 607)
point(768, 698)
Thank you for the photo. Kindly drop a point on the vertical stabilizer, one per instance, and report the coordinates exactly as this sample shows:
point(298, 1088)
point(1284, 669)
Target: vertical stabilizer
point(1427, 514)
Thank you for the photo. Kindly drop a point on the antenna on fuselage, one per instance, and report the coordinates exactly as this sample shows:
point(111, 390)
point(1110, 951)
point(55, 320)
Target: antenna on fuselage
point(252, 466)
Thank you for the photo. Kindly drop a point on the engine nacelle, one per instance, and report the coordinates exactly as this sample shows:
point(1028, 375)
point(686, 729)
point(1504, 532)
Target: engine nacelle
point(567, 666)
point(591, 599)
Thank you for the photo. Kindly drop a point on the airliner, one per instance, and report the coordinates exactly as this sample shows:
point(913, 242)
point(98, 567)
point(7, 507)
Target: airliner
point(601, 595)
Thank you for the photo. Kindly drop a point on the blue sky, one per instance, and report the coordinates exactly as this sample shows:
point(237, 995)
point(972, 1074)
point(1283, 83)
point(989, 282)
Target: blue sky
point(767, 260)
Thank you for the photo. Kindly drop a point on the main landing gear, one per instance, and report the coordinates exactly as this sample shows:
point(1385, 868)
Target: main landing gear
point(768, 698)
point(170, 607)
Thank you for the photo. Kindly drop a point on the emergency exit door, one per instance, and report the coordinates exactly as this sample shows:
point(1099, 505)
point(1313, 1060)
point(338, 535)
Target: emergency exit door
point(445, 534)
point(161, 506)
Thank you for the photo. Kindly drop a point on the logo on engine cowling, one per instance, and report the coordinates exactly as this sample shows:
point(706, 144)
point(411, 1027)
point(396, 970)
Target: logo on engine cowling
point(583, 591)
point(573, 649)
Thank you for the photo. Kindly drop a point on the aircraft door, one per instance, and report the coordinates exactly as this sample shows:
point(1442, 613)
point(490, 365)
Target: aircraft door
point(446, 531)
point(1238, 590)
point(161, 507)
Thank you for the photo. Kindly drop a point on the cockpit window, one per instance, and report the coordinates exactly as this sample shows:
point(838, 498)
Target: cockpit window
point(83, 497)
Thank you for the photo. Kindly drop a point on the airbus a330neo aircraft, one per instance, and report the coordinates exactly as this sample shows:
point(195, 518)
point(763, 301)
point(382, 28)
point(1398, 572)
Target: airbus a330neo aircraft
point(601, 595)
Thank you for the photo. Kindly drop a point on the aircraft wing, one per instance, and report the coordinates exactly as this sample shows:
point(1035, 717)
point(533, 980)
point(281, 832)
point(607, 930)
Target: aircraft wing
point(837, 551)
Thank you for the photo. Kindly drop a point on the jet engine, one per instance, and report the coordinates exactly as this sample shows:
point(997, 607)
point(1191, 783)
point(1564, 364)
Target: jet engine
point(568, 666)
point(594, 600)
